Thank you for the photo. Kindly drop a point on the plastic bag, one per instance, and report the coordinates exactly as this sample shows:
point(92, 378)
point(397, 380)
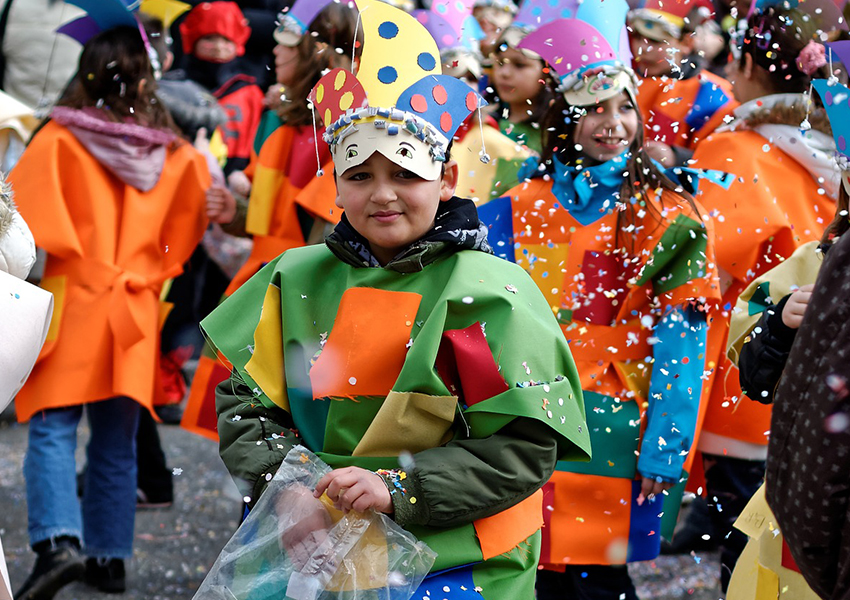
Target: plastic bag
point(297, 547)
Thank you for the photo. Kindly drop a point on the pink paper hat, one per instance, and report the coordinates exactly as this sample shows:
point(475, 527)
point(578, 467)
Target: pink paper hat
point(295, 22)
point(590, 53)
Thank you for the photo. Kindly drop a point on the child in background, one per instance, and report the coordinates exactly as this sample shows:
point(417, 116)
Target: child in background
point(786, 172)
point(493, 16)
point(214, 36)
point(622, 255)
point(681, 103)
point(767, 317)
point(488, 160)
point(117, 201)
point(288, 205)
point(414, 341)
point(521, 79)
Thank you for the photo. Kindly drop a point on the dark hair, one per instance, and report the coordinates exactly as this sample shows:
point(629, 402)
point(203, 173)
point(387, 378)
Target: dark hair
point(114, 74)
point(774, 39)
point(841, 223)
point(643, 177)
point(332, 28)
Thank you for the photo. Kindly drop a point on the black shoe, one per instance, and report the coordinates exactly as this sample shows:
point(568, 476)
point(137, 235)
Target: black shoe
point(145, 501)
point(55, 567)
point(107, 575)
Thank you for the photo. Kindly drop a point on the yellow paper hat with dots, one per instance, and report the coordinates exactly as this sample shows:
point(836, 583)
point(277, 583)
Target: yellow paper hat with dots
point(399, 103)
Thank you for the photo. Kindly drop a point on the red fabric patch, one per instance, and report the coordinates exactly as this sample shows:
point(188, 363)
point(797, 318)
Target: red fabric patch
point(467, 367)
point(787, 560)
point(659, 127)
point(604, 288)
point(471, 101)
point(546, 532)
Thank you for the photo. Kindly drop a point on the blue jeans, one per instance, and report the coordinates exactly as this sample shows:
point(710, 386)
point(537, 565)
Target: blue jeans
point(105, 523)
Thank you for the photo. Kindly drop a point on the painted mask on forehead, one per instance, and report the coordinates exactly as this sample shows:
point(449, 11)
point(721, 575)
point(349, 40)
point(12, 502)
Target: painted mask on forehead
point(398, 104)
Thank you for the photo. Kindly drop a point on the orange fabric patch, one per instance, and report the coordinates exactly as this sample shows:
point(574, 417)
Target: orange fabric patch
point(589, 512)
point(200, 415)
point(367, 346)
point(504, 531)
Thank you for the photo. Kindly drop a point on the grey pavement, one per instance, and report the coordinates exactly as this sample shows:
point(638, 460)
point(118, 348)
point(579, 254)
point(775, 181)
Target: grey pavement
point(175, 547)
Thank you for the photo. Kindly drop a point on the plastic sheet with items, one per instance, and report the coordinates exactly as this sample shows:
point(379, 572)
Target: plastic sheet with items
point(297, 547)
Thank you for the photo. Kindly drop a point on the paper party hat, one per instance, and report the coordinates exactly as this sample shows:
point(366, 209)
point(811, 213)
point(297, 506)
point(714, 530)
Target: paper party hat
point(590, 53)
point(399, 103)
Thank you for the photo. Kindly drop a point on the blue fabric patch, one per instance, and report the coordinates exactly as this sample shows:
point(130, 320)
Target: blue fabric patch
point(644, 527)
point(453, 584)
point(496, 215)
point(708, 101)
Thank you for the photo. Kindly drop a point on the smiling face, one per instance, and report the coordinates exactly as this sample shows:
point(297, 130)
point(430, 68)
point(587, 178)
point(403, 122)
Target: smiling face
point(608, 128)
point(389, 205)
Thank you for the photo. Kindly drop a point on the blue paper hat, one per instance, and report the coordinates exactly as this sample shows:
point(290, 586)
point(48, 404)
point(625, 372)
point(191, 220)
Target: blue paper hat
point(836, 101)
point(101, 15)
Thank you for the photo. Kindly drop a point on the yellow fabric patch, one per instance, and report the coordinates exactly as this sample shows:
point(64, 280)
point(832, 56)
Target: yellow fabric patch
point(266, 364)
point(56, 286)
point(264, 191)
point(408, 421)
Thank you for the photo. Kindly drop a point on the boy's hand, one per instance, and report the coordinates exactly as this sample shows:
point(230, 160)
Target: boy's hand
point(650, 488)
point(305, 524)
point(221, 205)
point(660, 152)
point(239, 183)
point(795, 307)
point(353, 488)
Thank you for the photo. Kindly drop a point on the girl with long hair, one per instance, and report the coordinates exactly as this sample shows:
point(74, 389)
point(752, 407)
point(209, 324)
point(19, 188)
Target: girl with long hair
point(621, 252)
point(117, 202)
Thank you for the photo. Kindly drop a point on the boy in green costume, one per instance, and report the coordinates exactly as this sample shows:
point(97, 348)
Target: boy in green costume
point(403, 336)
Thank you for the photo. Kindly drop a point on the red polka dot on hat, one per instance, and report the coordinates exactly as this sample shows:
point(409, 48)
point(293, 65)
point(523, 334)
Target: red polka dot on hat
point(419, 103)
point(440, 95)
point(445, 122)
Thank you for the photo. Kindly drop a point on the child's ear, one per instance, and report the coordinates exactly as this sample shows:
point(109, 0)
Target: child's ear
point(337, 200)
point(448, 183)
point(168, 61)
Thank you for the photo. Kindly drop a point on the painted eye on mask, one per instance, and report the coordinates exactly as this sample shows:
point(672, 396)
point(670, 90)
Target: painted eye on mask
point(351, 153)
point(404, 152)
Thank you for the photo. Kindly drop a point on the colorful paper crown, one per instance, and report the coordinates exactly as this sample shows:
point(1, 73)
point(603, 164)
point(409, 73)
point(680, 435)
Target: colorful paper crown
point(398, 90)
point(295, 22)
point(836, 101)
point(656, 19)
point(215, 18)
point(590, 53)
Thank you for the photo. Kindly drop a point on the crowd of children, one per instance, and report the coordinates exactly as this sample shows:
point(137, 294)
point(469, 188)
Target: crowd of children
point(481, 258)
